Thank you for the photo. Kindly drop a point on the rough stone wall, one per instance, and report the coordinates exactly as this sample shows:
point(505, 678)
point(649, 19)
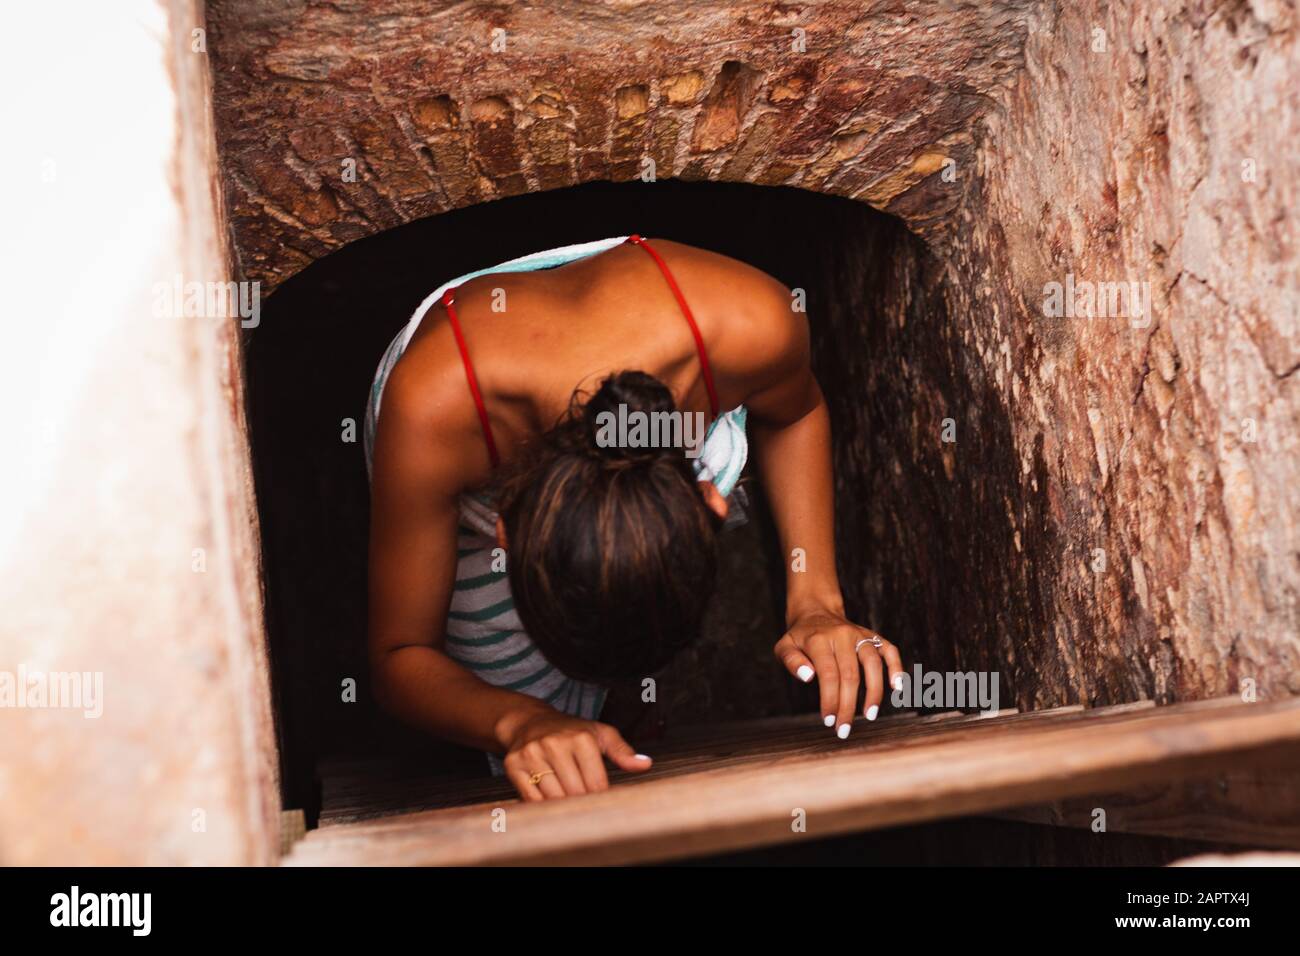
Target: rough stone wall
point(340, 120)
point(128, 540)
point(1151, 143)
point(926, 554)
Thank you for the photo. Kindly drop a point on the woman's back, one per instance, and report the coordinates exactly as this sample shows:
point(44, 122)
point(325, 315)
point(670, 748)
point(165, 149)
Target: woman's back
point(535, 337)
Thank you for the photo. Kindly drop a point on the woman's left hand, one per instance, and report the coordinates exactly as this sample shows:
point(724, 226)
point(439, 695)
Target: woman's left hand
point(827, 645)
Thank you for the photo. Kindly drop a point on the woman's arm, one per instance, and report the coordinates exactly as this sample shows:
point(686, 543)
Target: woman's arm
point(790, 424)
point(412, 574)
point(413, 517)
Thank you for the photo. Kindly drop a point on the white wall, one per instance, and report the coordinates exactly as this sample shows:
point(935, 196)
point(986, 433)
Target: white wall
point(127, 531)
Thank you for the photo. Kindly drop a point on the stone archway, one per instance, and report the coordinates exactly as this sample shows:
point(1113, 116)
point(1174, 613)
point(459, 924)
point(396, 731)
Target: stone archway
point(337, 123)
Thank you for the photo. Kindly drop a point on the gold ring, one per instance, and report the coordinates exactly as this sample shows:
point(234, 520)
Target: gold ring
point(536, 778)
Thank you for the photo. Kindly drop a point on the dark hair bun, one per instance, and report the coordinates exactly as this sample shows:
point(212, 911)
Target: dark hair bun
point(620, 395)
point(613, 550)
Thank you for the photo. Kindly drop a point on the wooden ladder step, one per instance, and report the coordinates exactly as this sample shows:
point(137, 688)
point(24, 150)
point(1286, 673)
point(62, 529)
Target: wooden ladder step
point(358, 789)
point(714, 795)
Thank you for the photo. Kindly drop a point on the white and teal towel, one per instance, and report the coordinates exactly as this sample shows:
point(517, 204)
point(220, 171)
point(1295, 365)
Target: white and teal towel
point(484, 633)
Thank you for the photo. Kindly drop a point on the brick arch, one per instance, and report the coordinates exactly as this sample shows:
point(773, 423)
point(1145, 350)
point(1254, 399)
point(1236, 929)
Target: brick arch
point(334, 124)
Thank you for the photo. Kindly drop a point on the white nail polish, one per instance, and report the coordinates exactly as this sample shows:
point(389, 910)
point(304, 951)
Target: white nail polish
point(805, 673)
point(829, 720)
point(898, 682)
point(872, 711)
point(641, 757)
point(843, 731)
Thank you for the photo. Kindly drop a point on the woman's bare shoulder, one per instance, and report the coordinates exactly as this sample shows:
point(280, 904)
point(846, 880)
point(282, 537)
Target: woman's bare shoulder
point(428, 419)
point(697, 260)
point(752, 320)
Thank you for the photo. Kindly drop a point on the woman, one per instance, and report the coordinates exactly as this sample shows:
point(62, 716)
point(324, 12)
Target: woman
point(519, 558)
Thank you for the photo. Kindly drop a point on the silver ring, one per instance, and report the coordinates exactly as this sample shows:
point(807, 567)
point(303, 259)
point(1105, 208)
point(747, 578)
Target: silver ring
point(875, 642)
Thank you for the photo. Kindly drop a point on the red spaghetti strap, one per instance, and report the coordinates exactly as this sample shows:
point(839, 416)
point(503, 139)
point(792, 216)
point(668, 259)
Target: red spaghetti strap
point(448, 298)
point(705, 370)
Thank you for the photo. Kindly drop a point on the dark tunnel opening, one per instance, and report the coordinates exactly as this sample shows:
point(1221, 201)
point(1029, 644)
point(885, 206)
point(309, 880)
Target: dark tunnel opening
point(883, 352)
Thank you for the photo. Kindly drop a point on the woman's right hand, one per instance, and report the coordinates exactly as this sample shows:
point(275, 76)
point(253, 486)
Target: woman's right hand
point(553, 755)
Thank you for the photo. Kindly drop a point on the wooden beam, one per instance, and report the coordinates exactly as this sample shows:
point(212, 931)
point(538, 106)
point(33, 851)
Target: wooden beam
point(725, 795)
point(360, 789)
point(354, 789)
point(1257, 806)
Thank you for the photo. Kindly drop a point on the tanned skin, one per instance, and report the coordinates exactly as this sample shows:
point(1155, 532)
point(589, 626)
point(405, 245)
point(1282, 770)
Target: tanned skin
point(565, 328)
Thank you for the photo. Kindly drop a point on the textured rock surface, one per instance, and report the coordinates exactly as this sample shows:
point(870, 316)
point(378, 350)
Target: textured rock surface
point(434, 108)
point(1151, 143)
point(1116, 516)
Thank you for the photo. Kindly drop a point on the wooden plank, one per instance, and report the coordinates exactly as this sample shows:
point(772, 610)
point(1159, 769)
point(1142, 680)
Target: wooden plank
point(360, 790)
point(880, 779)
point(1241, 859)
point(356, 790)
point(1250, 807)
